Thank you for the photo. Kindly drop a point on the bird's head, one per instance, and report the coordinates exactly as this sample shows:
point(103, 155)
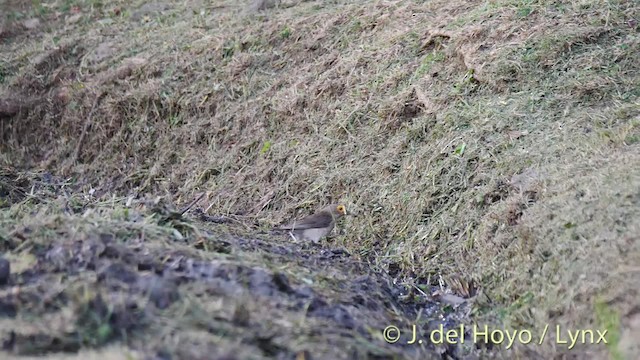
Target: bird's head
point(338, 209)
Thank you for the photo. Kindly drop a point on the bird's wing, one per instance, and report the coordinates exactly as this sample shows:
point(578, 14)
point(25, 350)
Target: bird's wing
point(319, 220)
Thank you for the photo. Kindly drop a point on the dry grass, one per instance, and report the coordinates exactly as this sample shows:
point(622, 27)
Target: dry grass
point(494, 143)
point(97, 271)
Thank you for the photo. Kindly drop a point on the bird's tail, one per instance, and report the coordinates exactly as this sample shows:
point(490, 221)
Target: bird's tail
point(282, 228)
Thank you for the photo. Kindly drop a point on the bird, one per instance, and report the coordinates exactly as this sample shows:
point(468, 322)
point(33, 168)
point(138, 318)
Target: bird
point(316, 226)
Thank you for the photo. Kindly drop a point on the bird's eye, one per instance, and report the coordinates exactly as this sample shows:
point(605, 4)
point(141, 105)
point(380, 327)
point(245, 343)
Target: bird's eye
point(341, 209)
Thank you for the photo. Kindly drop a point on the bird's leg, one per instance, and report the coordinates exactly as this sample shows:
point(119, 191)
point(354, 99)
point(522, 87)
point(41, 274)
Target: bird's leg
point(293, 236)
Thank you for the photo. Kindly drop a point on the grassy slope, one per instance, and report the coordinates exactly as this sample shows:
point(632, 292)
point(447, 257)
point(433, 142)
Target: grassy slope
point(494, 144)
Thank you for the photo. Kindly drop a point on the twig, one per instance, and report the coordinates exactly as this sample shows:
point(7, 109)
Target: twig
point(186, 208)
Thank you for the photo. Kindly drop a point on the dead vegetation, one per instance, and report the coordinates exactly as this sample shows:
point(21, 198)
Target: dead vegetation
point(490, 143)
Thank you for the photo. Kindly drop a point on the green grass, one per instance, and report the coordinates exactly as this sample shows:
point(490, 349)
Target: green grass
point(609, 320)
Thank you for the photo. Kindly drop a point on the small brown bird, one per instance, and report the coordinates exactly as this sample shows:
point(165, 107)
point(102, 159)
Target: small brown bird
point(315, 227)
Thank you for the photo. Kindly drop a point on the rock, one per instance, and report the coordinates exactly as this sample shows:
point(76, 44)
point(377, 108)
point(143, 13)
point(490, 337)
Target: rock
point(5, 271)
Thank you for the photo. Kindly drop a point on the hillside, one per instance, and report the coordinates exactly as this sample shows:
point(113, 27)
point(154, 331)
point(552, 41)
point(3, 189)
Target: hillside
point(488, 151)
